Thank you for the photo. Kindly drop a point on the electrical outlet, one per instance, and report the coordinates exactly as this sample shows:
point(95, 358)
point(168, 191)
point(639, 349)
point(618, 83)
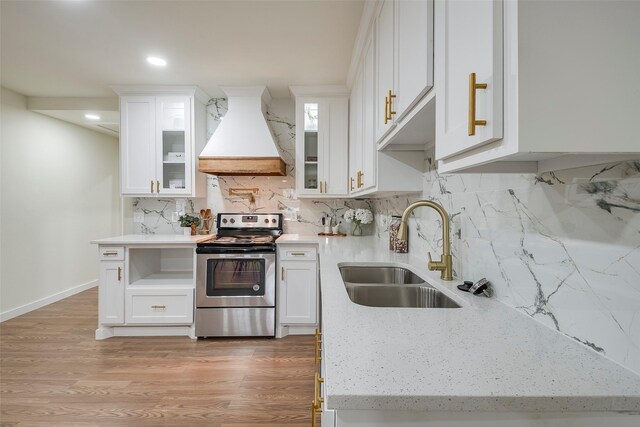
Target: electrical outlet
point(175, 216)
point(138, 217)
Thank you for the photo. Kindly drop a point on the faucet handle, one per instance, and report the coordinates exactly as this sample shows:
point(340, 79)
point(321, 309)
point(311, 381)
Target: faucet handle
point(430, 260)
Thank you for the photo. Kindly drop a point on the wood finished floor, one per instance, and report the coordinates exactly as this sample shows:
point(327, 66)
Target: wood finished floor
point(54, 373)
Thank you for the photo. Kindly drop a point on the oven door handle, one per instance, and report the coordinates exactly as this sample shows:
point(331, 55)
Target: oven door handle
point(230, 251)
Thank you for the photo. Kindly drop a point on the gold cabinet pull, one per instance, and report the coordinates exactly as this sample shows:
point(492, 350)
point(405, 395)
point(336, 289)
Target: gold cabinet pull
point(151, 186)
point(318, 342)
point(360, 183)
point(313, 413)
point(325, 186)
point(390, 111)
point(110, 253)
point(119, 274)
point(386, 109)
point(473, 86)
point(351, 183)
point(319, 400)
point(159, 306)
point(298, 253)
point(320, 185)
point(158, 187)
point(282, 273)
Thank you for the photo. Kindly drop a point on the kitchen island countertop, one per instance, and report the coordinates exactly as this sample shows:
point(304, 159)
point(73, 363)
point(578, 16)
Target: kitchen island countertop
point(484, 356)
point(152, 239)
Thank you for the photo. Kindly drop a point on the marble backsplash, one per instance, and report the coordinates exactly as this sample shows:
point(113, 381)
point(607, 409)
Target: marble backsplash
point(276, 194)
point(561, 247)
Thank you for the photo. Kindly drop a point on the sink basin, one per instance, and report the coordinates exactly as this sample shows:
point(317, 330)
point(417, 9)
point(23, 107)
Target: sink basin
point(391, 286)
point(379, 274)
point(399, 296)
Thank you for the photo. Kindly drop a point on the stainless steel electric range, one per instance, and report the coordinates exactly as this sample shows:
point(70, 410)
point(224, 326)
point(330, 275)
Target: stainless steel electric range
point(236, 277)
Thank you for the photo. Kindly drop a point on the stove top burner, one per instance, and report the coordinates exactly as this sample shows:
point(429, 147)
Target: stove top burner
point(249, 240)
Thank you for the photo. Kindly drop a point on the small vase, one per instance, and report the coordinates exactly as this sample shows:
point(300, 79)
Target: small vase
point(193, 229)
point(186, 231)
point(357, 229)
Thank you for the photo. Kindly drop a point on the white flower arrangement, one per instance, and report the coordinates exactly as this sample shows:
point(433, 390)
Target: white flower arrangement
point(358, 216)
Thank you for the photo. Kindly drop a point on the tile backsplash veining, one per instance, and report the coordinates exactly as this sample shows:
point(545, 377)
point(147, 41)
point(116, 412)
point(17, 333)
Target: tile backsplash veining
point(276, 194)
point(563, 247)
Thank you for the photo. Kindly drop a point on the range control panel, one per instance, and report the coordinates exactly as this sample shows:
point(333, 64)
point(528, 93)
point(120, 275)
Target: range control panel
point(256, 220)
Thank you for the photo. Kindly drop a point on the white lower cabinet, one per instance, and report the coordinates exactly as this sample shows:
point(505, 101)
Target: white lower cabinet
point(146, 291)
point(159, 306)
point(111, 293)
point(297, 291)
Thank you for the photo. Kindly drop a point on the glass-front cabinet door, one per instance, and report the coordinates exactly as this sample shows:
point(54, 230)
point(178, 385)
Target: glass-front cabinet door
point(174, 147)
point(311, 177)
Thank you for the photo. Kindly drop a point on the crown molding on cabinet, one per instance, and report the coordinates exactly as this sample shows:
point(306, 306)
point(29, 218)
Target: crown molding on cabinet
point(369, 13)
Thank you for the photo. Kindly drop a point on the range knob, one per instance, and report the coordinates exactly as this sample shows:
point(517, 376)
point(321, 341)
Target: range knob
point(224, 221)
point(232, 220)
point(274, 220)
point(266, 221)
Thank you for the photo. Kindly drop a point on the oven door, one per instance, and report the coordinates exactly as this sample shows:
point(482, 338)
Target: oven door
point(235, 280)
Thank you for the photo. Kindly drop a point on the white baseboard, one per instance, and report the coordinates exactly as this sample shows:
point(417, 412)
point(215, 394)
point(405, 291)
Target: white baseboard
point(23, 309)
point(104, 332)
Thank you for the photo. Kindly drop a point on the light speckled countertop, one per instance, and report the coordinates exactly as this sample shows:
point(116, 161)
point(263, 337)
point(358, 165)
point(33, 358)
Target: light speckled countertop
point(152, 239)
point(484, 356)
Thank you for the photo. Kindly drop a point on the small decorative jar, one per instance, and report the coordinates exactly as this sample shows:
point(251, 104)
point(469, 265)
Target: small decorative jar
point(394, 225)
point(399, 246)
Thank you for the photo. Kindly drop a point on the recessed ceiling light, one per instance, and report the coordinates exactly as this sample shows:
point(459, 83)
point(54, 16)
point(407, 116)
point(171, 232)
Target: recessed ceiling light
point(158, 62)
point(92, 116)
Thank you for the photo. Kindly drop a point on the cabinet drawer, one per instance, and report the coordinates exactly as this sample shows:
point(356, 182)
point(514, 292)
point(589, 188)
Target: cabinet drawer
point(307, 253)
point(111, 253)
point(159, 306)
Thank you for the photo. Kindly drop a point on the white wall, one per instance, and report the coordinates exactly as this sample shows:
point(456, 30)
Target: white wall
point(59, 189)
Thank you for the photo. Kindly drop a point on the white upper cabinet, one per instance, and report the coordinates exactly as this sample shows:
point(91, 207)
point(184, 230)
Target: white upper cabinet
point(362, 148)
point(413, 53)
point(384, 28)
point(403, 33)
point(322, 116)
point(161, 134)
point(137, 144)
point(470, 66)
point(173, 151)
point(559, 82)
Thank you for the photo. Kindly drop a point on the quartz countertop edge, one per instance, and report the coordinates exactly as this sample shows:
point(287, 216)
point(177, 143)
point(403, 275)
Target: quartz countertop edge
point(152, 239)
point(484, 356)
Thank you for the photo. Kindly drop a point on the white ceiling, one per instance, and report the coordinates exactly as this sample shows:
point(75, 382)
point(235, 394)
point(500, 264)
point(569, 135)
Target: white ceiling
point(77, 48)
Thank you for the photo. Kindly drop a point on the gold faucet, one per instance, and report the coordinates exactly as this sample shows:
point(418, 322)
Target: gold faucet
point(444, 265)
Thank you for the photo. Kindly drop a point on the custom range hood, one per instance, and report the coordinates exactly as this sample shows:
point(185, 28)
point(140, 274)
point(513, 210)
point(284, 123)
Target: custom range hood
point(243, 144)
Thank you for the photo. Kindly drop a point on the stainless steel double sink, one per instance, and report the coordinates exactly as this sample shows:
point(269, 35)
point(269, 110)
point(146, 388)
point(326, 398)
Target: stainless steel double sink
point(388, 285)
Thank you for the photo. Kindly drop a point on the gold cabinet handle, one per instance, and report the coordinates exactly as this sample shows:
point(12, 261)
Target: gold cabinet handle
point(390, 111)
point(158, 187)
point(325, 187)
point(319, 400)
point(320, 184)
point(151, 186)
point(318, 341)
point(298, 253)
point(119, 274)
point(473, 86)
point(313, 413)
point(351, 183)
point(386, 109)
point(109, 253)
point(360, 183)
point(282, 273)
point(159, 306)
